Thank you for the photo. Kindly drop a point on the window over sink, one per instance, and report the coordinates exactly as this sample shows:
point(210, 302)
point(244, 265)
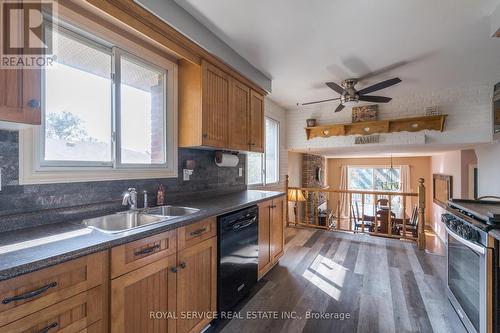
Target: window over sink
point(264, 168)
point(108, 112)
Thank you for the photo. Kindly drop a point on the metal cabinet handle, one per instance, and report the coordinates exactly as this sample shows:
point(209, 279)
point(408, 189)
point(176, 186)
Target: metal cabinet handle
point(147, 250)
point(182, 265)
point(205, 135)
point(198, 232)
point(173, 269)
point(34, 103)
point(47, 328)
point(273, 206)
point(30, 294)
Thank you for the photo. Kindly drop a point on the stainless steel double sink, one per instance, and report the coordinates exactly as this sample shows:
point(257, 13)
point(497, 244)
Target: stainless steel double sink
point(133, 219)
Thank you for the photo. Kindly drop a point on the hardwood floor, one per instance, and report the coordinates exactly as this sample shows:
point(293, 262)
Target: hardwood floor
point(384, 285)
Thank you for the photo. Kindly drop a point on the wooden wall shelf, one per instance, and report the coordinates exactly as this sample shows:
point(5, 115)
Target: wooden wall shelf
point(415, 124)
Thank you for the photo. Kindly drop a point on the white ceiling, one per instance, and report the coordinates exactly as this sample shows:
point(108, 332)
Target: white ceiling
point(302, 44)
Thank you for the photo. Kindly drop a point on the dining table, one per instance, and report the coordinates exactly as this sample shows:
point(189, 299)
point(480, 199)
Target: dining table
point(380, 214)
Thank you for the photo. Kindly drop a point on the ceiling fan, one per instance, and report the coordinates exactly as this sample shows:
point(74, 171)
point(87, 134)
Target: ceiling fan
point(349, 95)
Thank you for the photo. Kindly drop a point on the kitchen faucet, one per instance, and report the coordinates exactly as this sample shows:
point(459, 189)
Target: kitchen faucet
point(130, 198)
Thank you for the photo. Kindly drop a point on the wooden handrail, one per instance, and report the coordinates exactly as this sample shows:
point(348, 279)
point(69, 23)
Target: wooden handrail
point(313, 193)
point(319, 189)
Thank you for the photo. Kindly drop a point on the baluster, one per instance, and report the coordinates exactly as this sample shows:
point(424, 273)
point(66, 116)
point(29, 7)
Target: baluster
point(316, 200)
point(404, 216)
point(362, 212)
point(307, 208)
point(338, 214)
point(389, 217)
point(375, 198)
point(351, 218)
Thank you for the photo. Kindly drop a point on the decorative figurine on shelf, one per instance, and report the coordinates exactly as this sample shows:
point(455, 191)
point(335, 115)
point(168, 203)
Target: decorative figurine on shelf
point(160, 195)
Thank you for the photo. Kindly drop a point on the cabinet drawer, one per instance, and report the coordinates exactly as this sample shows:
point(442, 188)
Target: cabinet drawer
point(197, 232)
point(130, 256)
point(71, 315)
point(31, 292)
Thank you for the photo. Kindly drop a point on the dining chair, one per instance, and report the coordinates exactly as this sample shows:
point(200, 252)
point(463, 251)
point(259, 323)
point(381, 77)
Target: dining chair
point(382, 202)
point(358, 220)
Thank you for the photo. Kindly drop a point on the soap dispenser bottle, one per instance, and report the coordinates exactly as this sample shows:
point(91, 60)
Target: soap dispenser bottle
point(160, 195)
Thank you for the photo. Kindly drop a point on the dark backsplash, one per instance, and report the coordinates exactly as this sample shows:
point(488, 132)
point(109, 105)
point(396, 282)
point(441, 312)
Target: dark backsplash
point(15, 198)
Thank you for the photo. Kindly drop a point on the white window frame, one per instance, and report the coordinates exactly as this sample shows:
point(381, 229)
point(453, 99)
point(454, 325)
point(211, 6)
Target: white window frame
point(263, 160)
point(349, 167)
point(33, 171)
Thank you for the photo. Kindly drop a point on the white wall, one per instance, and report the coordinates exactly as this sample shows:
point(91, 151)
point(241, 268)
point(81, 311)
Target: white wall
point(274, 111)
point(295, 169)
point(468, 108)
point(449, 164)
point(488, 164)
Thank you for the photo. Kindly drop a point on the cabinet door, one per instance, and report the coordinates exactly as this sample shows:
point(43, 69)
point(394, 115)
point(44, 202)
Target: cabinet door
point(134, 295)
point(215, 106)
point(239, 116)
point(197, 285)
point(256, 122)
point(20, 96)
point(277, 228)
point(69, 316)
point(32, 292)
point(264, 236)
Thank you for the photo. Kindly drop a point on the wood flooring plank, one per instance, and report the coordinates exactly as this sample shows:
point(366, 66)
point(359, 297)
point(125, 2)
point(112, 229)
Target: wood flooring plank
point(385, 285)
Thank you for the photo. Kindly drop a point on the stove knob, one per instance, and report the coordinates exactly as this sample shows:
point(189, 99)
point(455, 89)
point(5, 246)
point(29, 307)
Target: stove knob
point(469, 233)
point(446, 218)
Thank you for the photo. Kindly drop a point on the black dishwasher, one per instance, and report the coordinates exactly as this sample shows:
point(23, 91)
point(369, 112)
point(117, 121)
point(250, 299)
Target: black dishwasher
point(238, 256)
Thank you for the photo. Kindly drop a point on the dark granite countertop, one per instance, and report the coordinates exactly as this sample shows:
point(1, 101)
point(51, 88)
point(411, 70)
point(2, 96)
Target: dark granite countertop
point(27, 250)
point(495, 233)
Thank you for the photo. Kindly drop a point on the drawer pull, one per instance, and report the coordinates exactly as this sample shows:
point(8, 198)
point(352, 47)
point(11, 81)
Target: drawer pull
point(30, 294)
point(173, 269)
point(198, 232)
point(182, 265)
point(147, 250)
point(47, 328)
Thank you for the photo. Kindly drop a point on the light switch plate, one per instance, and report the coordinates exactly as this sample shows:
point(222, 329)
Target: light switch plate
point(240, 172)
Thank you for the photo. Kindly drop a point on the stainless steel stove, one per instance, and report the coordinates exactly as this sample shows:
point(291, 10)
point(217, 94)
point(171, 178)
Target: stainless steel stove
point(472, 262)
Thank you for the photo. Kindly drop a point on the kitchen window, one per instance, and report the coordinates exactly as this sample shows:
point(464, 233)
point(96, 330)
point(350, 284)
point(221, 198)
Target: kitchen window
point(263, 168)
point(108, 112)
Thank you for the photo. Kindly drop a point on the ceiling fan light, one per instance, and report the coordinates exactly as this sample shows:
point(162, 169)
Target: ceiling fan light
point(350, 103)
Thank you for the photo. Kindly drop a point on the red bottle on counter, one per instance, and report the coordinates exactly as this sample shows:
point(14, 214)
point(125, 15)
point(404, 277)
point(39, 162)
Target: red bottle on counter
point(160, 195)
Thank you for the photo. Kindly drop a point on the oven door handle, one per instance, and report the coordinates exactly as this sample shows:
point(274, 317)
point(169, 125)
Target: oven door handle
point(478, 248)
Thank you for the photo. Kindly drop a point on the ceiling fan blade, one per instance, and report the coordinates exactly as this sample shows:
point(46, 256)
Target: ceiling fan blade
point(379, 86)
point(375, 99)
point(325, 100)
point(339, 108)
point(335, 87)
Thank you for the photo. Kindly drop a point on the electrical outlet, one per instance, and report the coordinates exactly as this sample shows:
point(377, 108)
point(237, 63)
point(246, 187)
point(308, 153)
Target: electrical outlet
point(240, 172)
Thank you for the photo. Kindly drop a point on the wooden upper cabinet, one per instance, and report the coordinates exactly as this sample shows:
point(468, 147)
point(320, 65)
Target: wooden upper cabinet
point(215, 105)
point(256, 122)
point(20, 96)
point(239, 116)
point(151, 288)
point(197, 285)
point(218, 111)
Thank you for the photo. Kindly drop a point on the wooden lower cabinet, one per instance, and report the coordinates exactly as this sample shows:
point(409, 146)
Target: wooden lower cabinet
point(264, 237)
point(149, 289)
point(197, 286)
point(173, 294)
point(277, 227)
point(76, 314)
point(271, 233)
